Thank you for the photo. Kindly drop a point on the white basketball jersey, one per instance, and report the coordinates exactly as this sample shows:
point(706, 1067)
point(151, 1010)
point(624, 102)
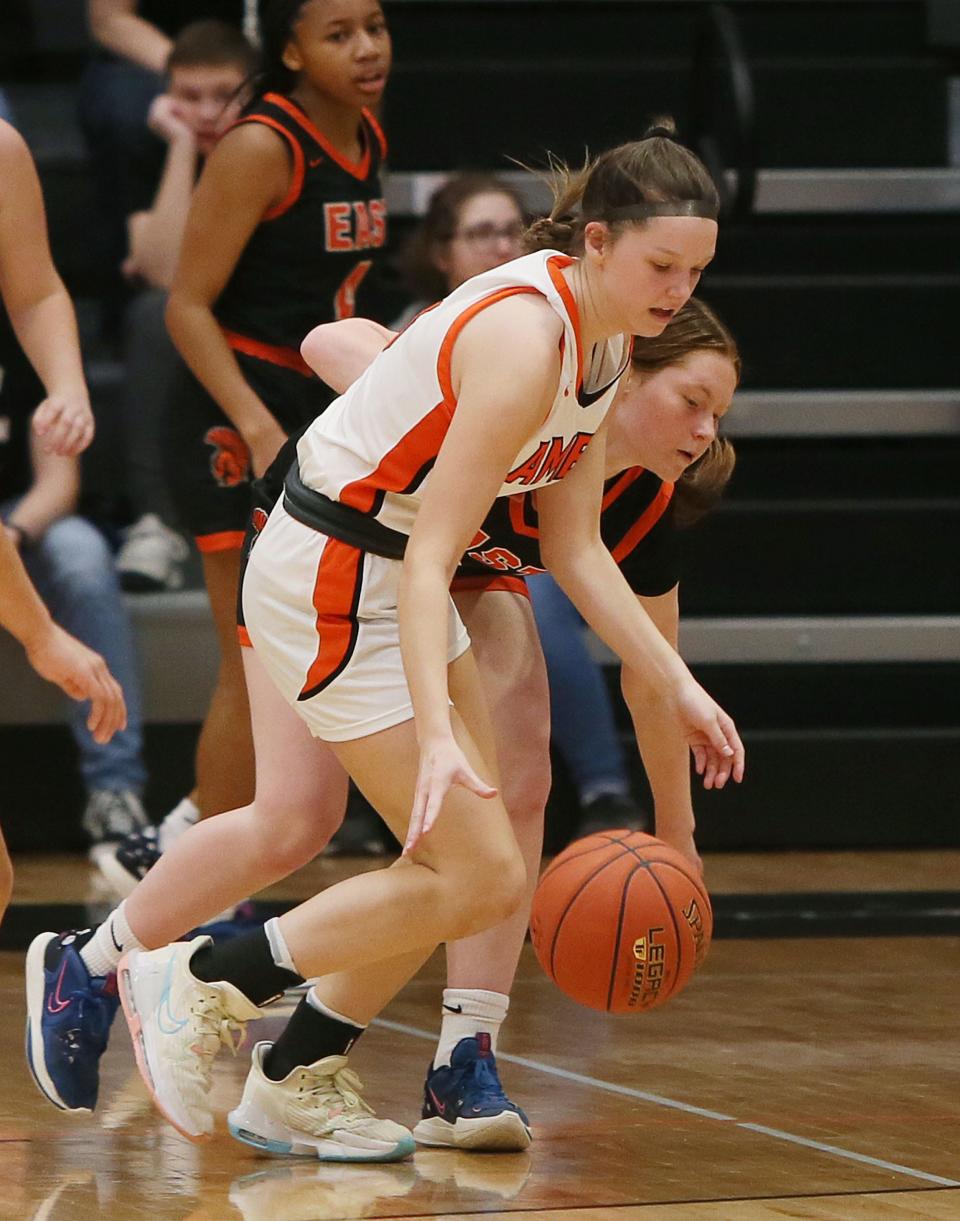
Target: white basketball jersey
point(374, 447)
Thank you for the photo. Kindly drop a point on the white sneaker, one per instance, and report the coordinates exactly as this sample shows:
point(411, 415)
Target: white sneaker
point(151, 556)
point(178, 1023)
point(316, 1111)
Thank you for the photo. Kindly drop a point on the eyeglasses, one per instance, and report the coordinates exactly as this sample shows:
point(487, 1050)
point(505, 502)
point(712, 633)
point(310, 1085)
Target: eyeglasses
point(489, 235)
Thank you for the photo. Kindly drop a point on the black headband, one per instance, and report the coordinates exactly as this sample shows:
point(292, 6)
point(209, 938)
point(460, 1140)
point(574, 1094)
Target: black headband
point(682, 207)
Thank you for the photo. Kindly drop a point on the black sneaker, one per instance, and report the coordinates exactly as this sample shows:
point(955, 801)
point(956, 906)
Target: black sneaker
point(610, 812)
point(128, 862)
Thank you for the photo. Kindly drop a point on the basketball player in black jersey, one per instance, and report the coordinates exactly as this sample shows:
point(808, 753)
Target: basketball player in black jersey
point(286, 226)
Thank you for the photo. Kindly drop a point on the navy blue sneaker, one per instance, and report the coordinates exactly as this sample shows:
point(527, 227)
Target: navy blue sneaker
point(464, 1105)
point(69, 1013)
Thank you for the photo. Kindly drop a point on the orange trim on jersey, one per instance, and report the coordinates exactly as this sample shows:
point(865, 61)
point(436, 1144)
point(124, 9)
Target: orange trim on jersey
point(555, 264)
point(225, 540)
point(399, 467)
point(377, 130)
point(336, 596)
point(288, 358)
point(518, 523)
point(495, 581)
point(359, 169)
point(626, 479)
point(445, 355)
point(296, 181)
point(243, 637)
point(644, 523)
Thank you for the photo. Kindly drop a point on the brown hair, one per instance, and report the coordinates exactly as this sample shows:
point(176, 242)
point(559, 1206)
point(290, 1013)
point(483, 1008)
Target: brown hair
point(656, 169)
point(420, 273)
point(696, 328)
point(212, 44)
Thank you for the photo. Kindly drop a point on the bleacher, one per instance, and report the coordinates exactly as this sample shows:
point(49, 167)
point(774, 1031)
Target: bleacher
point(822, 600)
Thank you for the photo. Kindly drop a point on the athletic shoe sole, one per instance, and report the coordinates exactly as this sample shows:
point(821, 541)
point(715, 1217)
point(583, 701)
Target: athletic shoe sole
point(125, 989)
point(248, 1125)
point(35, 989)
point(503, 1133)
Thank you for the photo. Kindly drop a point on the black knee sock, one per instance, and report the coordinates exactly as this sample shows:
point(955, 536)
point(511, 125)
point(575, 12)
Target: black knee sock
point(247, 963)
point(309, 1036)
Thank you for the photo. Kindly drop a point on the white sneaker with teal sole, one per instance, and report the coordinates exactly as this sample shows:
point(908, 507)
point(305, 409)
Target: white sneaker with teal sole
point(178, 1023)
point(316, 1111)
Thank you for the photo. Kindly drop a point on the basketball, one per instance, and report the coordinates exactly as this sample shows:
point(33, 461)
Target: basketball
point(620, 921)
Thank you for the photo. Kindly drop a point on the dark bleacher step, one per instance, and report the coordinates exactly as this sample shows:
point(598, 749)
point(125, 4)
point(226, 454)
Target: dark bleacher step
point(860, 468)
point(835, 756)
point(844, 332)
point(829, 557)
point(494, 110)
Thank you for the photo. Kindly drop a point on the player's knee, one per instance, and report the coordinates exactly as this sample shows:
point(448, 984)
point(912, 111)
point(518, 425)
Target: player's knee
point(289, 840)
point(497, 888)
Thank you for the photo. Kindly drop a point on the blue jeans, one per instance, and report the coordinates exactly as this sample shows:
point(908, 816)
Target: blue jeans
point(73, 571)
point(581, 716)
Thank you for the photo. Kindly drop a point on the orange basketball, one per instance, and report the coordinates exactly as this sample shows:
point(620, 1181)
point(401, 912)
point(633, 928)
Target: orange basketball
point(620, 921)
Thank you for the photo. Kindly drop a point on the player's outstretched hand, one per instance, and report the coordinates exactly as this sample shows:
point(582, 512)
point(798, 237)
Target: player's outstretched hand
point(442, 766)
point(64, 424)
point(711, 735)
point(62, 659)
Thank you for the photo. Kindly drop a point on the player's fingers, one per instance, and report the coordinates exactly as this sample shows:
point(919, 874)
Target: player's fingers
point(737, 758)
point(699, 759)
point(416, 821)
point(470, 780)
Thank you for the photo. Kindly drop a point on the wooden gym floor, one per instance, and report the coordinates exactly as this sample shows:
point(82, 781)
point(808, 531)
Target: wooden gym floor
point(800, 1076)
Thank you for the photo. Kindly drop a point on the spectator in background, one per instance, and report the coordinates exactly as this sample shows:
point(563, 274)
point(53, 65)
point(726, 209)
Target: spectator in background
point(474, 223)
point(206, 70)
point(133, 39)
point(66, 557)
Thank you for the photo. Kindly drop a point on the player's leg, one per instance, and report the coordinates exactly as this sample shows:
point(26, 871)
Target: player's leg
point(467, 874)
point(302, 795)
point(464, 1102)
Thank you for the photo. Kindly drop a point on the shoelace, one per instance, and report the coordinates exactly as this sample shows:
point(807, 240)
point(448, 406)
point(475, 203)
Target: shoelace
point(213, 1028)
point(92, 1023)
point(343, 1087)
point(483, 1074)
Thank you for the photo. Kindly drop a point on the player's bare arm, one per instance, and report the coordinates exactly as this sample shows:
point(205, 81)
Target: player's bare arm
point(338, 352)
point(245, 175)
point(573, 551)
point(505, 371)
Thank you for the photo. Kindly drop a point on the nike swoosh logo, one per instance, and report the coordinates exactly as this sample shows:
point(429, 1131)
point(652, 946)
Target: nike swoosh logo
point(164, 1013)
point(116, 944)
point(453, 1008)
point(441, 1107)
point(56, 1003)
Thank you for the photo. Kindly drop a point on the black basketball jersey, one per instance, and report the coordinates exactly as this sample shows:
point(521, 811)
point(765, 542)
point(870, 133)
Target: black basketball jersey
point(636, 524)
point(308, 259)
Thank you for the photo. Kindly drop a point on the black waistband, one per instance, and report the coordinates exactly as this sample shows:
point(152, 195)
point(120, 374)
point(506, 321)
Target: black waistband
point(319, 512)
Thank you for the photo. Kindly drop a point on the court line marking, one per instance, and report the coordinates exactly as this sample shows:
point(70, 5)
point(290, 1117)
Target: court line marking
point(660, 1100)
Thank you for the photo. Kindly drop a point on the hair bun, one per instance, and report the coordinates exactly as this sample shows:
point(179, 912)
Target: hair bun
point(549, 231)
point(663, 127)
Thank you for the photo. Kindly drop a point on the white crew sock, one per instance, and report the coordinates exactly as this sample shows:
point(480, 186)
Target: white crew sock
point(110, 942)
point(465, 1012)
point(181, 818)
